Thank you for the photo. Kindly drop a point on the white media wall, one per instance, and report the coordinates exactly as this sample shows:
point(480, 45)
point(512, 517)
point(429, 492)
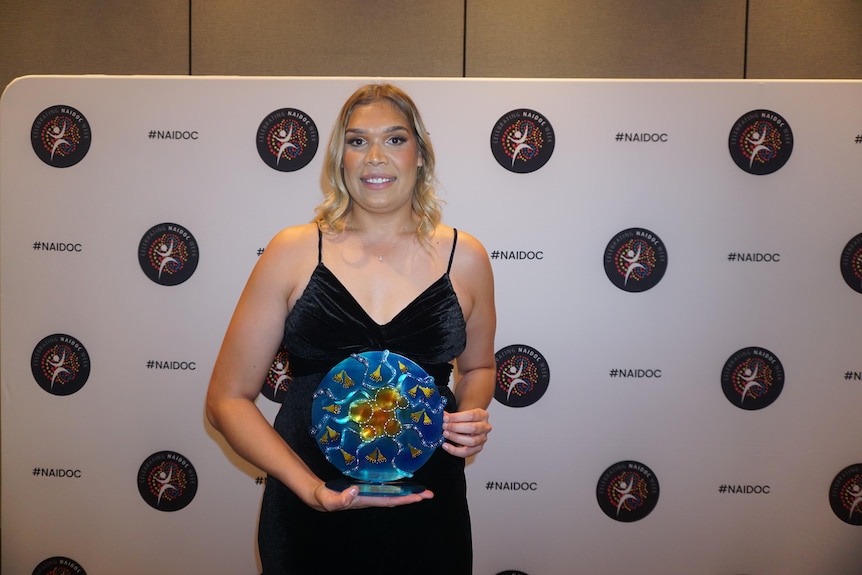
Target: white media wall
point(679, 289)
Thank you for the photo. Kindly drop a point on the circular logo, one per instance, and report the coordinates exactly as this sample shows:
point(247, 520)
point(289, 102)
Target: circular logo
point(752, 378)
point(635, 260)
point(168, 254)
point(845, 494)
point(287, 140)
point(851, 263)
point(760, 142)
point(167, 481)
point(278, 378)
point(523, 376)
point(61, 136)
point(627, 491)
point(59, 566)
point(60, 364)
point(522, 141)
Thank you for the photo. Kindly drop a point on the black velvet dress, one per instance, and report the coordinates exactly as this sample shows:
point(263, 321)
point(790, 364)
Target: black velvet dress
point(430, 537)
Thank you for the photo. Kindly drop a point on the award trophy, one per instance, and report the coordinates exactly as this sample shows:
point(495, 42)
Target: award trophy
point(377, 417)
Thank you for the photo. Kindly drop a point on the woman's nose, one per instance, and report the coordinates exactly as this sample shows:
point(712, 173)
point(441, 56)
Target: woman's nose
point(375, 154)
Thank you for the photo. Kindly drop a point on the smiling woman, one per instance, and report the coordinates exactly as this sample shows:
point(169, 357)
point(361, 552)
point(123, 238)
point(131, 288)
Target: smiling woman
point(376, 271)
point(332, 212)
point(381, 159)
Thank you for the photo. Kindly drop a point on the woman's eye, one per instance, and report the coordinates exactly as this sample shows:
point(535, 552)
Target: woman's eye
point(355, 142)
point(397, 140)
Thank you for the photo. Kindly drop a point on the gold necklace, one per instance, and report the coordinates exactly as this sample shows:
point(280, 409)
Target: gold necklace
point(380, 257)
point(386, 253)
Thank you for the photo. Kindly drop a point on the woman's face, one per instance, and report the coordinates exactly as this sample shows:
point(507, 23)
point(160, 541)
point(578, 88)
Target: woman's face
point(381, 158)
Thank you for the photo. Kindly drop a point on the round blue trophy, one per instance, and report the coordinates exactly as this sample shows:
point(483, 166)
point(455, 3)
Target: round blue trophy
point(377, 416)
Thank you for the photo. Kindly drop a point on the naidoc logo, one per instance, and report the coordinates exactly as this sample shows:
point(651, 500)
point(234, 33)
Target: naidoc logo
point(278, 377)
point(60, 364)
point(522, 141)
point(167, 481)
point(752, 378)
point(627, 491)
point(761, 142)
point(845, 494)
point(287, 140)
point(635, 260)
point(61, 136)
point(168, 254)
point(522, 376)
point(851, 263)
point(59, 566)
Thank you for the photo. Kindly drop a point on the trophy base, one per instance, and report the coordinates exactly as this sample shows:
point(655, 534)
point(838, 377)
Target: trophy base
point(393, 489)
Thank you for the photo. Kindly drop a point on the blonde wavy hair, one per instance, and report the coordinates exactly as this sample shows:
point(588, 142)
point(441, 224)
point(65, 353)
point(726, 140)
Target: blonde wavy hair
point(331, 214)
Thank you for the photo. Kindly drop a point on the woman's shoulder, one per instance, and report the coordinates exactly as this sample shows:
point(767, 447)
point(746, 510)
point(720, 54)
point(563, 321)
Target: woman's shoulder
point(291, 249)
point(468, 253)
point(468, 247)
point(471, 272)
point(288, 260)
point(294, 239)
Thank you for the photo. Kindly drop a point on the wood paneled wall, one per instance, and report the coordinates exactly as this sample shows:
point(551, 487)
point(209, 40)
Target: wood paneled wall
point(732, 39)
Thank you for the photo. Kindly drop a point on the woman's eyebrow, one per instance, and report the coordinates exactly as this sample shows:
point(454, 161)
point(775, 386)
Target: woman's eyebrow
point(396, 128)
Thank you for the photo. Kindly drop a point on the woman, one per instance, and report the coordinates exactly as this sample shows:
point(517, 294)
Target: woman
point(375, 270)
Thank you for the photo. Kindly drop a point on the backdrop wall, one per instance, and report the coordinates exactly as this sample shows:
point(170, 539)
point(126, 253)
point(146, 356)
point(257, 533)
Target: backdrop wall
point(678, 269)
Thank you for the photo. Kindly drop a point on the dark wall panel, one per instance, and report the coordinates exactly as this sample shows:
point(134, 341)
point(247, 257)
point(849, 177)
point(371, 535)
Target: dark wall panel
point(547, 38)
point(328, 38)
point(805, 39)
point(612, 39)
point(93, 37)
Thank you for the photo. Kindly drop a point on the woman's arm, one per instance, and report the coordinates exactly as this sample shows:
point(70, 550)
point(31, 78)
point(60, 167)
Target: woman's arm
point(246, 354)
point(467, 429)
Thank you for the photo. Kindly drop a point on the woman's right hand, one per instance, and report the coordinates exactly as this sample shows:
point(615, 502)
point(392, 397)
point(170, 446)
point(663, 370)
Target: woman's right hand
point(329, 500)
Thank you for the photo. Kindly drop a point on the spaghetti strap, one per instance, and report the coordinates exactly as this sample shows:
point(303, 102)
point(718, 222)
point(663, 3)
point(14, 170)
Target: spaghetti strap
point(452, 255)
point(319, 246)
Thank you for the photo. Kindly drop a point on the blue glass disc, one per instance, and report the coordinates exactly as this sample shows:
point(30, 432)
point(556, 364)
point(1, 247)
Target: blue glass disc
point(377, 416)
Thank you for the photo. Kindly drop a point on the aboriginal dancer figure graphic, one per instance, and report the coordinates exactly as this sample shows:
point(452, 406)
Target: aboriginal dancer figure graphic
point(165, 480)
point(749, 376)
point(57, 362)
point(284, 138)
point(515, 380)
point(165, 252)
point(520, 140)
point(624, 490)
point(59, 136)
point(632, 258)
point(280, 370)
point(855, 492)
point(756, 141)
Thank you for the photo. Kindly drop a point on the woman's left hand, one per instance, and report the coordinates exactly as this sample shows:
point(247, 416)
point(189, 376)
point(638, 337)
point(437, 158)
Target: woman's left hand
point(465, 431)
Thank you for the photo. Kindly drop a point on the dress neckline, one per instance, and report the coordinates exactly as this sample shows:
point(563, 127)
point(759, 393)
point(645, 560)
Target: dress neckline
point(434, 285)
